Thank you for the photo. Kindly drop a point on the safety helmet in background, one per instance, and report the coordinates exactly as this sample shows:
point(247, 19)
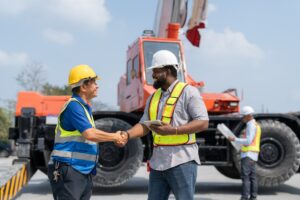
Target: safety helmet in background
point(247, 110)
point(164, 58)
point(80, 73)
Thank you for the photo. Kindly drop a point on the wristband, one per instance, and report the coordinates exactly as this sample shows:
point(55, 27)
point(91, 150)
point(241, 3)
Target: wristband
point(128, 136)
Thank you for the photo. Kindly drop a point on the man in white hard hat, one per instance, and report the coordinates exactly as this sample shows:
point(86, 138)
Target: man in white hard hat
point(249, 154)
point(173, 165)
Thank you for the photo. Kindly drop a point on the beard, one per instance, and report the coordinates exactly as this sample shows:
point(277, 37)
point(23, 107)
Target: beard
point(159, 83)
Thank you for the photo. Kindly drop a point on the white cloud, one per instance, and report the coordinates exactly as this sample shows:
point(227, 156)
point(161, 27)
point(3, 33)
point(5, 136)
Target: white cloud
point(89, 13)
point(92, 13)
point(13, 7)
point(57, 36)
point(13, 59)
point(228, 48)
point(211, 8)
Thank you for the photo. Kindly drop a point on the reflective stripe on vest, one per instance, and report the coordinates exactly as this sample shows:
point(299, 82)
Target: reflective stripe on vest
point(77, 155)
point(62, 136)
point(167, 115)
point(255, 145)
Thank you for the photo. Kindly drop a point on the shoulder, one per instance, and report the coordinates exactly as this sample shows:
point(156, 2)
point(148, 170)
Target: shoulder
point(150, 97)
point(74, 107)
point(191, 88)
point(190, 91)
point(252, 124)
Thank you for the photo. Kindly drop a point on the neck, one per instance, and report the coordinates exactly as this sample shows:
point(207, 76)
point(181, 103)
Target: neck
point(84, 98)
point(168, 83)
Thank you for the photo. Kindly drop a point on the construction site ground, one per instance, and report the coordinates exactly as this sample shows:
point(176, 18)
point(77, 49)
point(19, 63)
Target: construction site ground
point(211, 185)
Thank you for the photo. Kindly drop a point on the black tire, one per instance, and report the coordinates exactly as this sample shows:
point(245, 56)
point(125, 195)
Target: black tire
point(279, 156)
point(229, 171)
point(4, 153)
point(117, 165)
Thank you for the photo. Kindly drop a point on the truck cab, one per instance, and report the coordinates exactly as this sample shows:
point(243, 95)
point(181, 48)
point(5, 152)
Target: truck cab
point(136, 85)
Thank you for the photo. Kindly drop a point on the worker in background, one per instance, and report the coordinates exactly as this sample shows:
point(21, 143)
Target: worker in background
point(75, 153)
point(249, 154)
point(173, 165)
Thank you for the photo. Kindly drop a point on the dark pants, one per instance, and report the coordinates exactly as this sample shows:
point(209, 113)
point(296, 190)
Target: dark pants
point(181, 180)
point(248, 175)
point(71, 184)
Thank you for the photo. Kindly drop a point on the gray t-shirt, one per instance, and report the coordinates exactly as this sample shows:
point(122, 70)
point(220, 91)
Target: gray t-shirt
point(189, 106)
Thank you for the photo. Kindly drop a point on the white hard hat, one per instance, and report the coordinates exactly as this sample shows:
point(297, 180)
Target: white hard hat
point(164, 58)
point(247, 110)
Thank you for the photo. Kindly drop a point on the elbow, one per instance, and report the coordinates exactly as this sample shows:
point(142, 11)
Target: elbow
point(89, 135)
point(247, 143)
point(206, 125)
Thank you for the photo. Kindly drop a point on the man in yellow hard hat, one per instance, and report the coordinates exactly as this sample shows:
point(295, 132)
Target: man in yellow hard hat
point(75, 153)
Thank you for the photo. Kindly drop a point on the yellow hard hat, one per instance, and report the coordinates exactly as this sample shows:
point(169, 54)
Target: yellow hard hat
point(79, 73)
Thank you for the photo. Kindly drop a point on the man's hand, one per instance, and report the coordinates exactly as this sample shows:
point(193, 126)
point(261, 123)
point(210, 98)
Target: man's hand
point(122, 138)
point(231, 139)
point(165, 129)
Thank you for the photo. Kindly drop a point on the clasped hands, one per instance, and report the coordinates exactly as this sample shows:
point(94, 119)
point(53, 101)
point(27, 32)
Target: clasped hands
point(122, 138)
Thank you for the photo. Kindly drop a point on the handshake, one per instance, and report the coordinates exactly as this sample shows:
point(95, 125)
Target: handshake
point(121, 138)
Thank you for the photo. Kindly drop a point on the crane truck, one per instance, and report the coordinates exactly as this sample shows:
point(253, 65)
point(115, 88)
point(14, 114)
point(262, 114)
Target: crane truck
point(36, 117)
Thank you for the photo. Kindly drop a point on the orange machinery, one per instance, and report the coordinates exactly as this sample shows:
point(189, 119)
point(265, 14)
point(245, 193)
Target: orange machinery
point(136, 85)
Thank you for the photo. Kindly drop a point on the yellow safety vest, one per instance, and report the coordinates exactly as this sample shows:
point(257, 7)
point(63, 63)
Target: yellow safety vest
point(255, 145)
point(168, 110)
point(60, 133)
point(72, 148)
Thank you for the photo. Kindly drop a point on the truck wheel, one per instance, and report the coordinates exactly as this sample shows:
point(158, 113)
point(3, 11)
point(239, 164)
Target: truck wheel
point(229, 171)
point(4, 154)
point(279, 156)
point(116, 165)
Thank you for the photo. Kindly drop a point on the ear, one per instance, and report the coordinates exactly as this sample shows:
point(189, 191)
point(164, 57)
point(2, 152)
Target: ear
point(168, 71)
point(83, 87)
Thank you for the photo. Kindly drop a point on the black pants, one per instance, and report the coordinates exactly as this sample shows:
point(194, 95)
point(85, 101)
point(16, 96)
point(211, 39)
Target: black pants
point(71, 184)
point(248, 175)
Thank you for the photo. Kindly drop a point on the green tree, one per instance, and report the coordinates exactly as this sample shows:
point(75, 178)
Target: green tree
point(49, 89)
point(4, 124)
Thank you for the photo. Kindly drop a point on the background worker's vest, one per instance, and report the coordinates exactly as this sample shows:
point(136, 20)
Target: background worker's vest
point(255, 145)
point(168, 110)
point(72, 148)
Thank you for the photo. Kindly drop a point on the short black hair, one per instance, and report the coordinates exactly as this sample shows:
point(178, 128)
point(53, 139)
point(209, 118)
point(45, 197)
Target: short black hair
point(172, 69)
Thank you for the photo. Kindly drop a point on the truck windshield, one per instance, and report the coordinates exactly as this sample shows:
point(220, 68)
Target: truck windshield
point(151, 48)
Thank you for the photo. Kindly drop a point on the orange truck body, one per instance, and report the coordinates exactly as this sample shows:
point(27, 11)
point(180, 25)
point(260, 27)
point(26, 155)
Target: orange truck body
point(44, 105)
point(133, 92)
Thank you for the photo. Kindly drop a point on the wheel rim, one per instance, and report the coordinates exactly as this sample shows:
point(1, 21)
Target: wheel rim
point(111, 156)
point(271, 152)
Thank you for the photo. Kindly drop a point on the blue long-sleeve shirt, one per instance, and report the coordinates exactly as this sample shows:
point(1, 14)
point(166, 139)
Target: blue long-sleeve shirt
point(250, 135)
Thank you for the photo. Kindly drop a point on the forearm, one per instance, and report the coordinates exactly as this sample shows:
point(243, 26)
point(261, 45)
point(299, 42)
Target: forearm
point(194, 126)
point(139, 130)
point(242, 141)
point(97, 135)
point(245, 141)
point(250, 134)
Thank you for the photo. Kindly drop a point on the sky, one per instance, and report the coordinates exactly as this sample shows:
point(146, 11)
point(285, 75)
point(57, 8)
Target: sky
point(252, 46)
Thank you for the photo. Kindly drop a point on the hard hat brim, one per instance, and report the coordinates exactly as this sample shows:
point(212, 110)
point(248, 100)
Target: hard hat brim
point(73, 85)
point(161, 66)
